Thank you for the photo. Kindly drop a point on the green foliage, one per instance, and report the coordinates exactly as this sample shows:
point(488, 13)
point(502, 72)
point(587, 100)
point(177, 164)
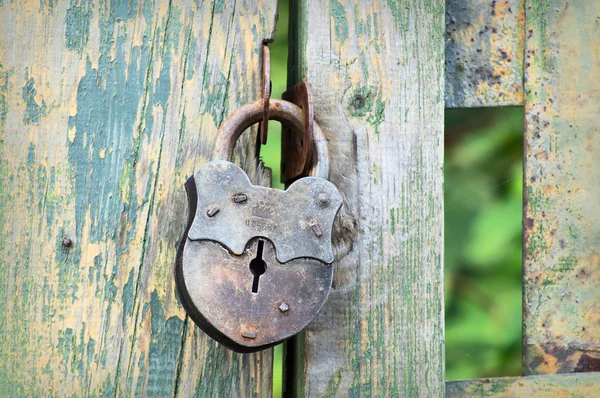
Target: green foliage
point(483, 198)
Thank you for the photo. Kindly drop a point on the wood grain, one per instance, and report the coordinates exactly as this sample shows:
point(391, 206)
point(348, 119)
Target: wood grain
point(545, 386)
point(561, 276)
point(484, 53)
point(106, 108)
point(376, 72)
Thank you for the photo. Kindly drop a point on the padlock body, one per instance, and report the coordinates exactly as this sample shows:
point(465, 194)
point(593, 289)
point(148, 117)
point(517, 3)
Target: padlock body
point(215, 275)
point(220, 290)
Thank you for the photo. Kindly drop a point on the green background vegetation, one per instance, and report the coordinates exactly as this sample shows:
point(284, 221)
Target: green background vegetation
point(483, 209)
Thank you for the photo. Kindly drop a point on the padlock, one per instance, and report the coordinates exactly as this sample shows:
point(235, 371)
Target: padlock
point(254, 266)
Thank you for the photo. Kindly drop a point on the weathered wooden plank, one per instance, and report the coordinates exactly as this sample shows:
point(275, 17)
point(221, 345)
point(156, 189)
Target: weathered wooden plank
point(561, 273)
point(484, 53)
point(376, 72)
point(105, 109)
point(545, 386)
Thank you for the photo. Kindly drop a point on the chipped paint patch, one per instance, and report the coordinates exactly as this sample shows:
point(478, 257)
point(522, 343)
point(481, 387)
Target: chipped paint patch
point(163, 353)
point(216, 97)
point(190, 53)
point(33, 110)
point(340, 20)
point(400, 12)
point(4, 74)
point(119, 86)
point(77, 25)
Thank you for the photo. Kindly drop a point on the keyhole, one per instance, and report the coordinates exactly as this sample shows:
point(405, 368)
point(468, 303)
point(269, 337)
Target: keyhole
point(258, 266)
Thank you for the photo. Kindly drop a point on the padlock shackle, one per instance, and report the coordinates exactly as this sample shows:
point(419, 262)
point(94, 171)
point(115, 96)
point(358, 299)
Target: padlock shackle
point(283, 111)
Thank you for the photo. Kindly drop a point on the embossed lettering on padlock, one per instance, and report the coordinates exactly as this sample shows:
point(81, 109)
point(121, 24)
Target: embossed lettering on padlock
point(254, 265)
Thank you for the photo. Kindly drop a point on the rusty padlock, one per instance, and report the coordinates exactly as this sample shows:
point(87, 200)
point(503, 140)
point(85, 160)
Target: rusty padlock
point(254, 266)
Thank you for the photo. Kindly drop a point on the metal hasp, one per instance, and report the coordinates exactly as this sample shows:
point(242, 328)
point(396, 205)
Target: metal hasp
point(296, 146)
point(266, 92)
point(254, 265)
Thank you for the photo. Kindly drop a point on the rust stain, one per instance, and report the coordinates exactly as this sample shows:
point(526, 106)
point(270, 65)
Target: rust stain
point(484, 53)
point(588, 363)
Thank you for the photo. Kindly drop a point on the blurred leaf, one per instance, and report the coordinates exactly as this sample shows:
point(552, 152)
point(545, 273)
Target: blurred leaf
point(493, 231)
point(483, 230)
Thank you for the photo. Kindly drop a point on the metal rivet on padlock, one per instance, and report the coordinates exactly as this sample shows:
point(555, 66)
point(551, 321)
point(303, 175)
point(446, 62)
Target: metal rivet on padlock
point(251, 254)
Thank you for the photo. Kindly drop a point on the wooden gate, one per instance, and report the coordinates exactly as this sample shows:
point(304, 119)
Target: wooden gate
point(106, 108)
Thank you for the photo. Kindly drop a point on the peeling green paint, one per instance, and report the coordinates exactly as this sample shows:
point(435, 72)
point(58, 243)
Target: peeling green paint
point(400, 11)
point(46, 3)
point(110, 289)
point(128, 296)
point(71, 351)
point(33, 110)
point(216, 97)
point(51, 201)
point(190, 54)
point(214, 379)
point(172, 30)
point(77, 22)
point(31, 155)
point(95, 273)
point(48, 310)
point(333, 384)
point(218, 6)
point(537, 16)
point(140, 380)
point(567, 263)
point(360, 25)
point(107, 105)
point(4, 74)
point(68, 270)
point(340, 20)
point(164, 350)
point(256, 38)
point(148, 190)
point(108, 389)
point(363, 65)
point(122, 10)
point(90, 351)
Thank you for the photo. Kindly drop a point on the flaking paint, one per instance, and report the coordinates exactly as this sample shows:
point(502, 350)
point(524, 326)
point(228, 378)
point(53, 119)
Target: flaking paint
point(33, 110)
point(95, 118)
point(77, 25)
point(340, 20)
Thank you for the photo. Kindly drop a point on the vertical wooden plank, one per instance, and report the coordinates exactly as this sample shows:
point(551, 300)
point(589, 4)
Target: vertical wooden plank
point(105, 109)
point(484, 53)
point(376, 72)
point(561, 273)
